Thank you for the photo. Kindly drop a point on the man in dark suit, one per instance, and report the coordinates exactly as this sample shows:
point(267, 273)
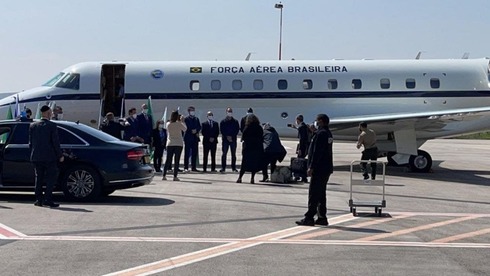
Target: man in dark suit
point(145, 125)
point(210, 133)
point(45, 153)
point(131, 127)
point(191, 139)
point(320, 167)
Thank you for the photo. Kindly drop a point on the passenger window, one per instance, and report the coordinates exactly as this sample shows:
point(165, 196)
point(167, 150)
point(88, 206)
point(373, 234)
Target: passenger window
point(356, 84)
point(215, 85)
point(194, 85)
point(307, 84)
point(70, 81)
point(236, 85)
point(258, 85)
point(4, 135)
point(410, 83)
point(384, 83)
point(282, 84)
point(435, 83)
point(20, 135)
point(332, 84)
point(67, 138)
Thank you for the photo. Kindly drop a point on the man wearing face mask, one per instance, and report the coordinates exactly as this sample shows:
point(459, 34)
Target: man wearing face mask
point(210, 133)
point(159, 143)
point(320, 167)
point(191, 139)
point(57, 113)
point(145, 124)
point(229, 128)
point(131, 127)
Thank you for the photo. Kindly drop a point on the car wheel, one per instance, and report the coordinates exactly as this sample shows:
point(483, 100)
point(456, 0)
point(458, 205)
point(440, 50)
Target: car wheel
point(81, 183)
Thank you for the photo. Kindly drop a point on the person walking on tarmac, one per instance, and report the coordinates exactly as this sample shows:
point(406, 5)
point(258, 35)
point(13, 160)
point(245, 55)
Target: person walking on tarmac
point(320, 167)
point(367, 139)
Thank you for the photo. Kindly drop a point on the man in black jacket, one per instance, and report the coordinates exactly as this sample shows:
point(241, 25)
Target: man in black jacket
point(320, 167)
point(45, 153)
point(191, 139)
point(210, 133)
point(229, 128)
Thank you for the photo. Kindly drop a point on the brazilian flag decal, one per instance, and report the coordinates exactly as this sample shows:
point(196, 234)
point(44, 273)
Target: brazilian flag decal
point(196, 69)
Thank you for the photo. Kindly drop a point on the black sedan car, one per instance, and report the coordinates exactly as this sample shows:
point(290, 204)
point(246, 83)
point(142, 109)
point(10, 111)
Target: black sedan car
point(95, 163)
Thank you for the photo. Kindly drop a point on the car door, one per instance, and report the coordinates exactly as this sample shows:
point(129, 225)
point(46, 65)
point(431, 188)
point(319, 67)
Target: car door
point(17, 169)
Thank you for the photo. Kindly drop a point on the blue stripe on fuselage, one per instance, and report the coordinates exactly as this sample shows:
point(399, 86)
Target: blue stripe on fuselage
point(271, 95)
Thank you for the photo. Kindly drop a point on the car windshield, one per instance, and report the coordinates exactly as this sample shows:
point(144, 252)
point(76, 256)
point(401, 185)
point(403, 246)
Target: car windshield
point(97, 133)
point(54, 79)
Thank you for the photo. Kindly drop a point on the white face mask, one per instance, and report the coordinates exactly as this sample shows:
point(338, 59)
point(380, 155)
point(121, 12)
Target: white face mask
point(60, 116)
point(229, 114)
point(144, 111)
point(210, 117)
point(315, 124)
point(160, 126)
point(192, 113)
point(134, 116)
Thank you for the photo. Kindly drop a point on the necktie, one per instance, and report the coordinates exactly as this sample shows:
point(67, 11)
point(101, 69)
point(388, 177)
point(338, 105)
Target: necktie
point(211, 124)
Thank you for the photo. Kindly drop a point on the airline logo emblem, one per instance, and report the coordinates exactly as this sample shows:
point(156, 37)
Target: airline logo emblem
point(157, 74)
point(196, 70)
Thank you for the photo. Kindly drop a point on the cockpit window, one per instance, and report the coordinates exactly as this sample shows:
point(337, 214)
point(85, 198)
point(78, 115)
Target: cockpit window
point(54, 79)
point(70, 81)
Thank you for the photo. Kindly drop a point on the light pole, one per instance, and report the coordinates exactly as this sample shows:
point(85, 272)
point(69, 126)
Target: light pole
point(280, 6)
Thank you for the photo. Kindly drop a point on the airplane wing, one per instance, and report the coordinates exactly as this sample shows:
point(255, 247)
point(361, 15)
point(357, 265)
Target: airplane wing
point(431, 121)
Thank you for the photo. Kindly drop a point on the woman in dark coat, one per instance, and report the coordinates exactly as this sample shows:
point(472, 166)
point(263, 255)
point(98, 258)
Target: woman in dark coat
point(159, 143)
point(273, 150)
point(252, 148)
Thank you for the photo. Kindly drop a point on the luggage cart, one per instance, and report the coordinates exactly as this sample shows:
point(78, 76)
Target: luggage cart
point(355, 180)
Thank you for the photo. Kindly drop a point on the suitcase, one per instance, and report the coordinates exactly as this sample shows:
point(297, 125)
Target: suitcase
point(281, 174)
point(299, 165)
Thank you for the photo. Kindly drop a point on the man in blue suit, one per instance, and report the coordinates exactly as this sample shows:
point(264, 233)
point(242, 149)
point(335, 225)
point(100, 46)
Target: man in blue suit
point(145, 125)
point(210, 133)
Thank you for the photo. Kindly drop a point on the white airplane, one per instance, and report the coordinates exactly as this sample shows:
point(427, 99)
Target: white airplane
point(406, 102)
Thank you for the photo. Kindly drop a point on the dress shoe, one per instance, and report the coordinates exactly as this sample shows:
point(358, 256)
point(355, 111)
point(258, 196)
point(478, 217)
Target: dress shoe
point(252, 181)
point(306, 222)
point(51, 204)
point(195, 170)
point(176, 178)
point(222, 171)
point(235, 170)
point(264, 180)
point(214, 171)
point(164, 178)
point(38, 203)
point(239, 180)
point(322, 221)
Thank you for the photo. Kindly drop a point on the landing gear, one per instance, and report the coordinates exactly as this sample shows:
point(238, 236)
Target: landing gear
point(422, 162)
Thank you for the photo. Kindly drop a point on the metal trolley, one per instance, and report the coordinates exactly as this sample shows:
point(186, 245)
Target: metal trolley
point(378, 205)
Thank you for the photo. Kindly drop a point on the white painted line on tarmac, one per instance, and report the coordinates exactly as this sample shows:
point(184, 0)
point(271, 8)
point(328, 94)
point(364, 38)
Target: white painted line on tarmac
point(7, 232)
point(193, 257)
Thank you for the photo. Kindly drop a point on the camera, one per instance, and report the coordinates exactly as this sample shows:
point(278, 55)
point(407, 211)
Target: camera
point(290, 125)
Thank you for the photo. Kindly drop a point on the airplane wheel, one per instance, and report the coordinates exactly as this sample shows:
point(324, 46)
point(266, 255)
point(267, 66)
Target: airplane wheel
point(422, 162)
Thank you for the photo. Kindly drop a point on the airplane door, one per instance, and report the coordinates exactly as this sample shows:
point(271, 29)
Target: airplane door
point(112, 89)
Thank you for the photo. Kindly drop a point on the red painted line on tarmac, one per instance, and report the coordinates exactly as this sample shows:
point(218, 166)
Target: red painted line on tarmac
point(463, 236)
point(418, 228)
point(193, 257)
point(8, 232)
point(332, 231)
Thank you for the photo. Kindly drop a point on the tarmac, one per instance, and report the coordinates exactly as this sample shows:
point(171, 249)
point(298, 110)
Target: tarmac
point(435, 223)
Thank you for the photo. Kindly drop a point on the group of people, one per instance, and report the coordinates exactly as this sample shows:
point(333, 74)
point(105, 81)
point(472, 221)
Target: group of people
point(260, 142)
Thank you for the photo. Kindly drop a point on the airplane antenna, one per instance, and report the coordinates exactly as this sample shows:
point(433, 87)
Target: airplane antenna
point(418, 55)
point(466, 55)
point(249, 55)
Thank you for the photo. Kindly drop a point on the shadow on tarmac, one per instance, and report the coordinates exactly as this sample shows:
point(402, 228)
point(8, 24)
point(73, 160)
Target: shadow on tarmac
point(112, 200)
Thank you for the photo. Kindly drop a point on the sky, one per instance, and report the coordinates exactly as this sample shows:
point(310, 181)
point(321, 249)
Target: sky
point(40, 38)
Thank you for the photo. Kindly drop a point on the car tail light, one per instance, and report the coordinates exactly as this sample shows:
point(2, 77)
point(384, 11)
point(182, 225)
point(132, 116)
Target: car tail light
point(136, 154)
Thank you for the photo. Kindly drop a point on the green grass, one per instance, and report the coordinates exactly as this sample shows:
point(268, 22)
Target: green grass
point(480, 136)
